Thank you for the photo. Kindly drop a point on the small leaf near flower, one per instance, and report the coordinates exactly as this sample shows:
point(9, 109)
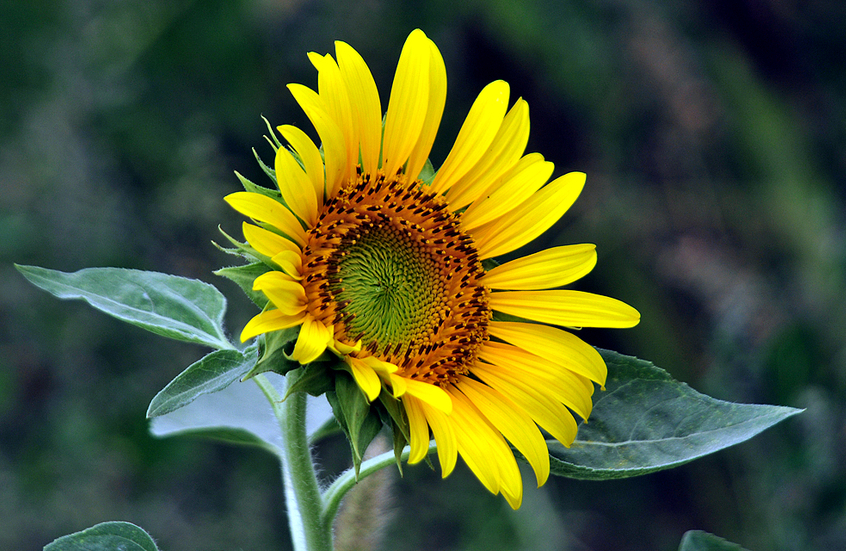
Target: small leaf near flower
point(212, 373)
point(358, 421)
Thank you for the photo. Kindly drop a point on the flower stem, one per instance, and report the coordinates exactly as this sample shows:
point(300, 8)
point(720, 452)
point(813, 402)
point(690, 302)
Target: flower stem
point(334, 494)
point(302, 494)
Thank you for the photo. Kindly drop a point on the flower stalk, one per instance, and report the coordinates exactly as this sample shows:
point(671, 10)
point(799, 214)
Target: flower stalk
point(309, 532)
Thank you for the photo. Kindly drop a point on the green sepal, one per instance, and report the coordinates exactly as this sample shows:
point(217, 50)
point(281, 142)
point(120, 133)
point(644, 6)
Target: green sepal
point(400, 442)
point(267, 170)
point(427, 173)
point(397, 419)
point(489, 264)
point(255, 188)
point(316, 378)
point(502, 316)
point(275, 144)
point(244, 276)
point(272, 353)
point(242, 249)
point(357, 419)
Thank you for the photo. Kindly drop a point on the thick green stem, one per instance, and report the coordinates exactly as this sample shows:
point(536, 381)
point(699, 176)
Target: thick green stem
point(302, 494)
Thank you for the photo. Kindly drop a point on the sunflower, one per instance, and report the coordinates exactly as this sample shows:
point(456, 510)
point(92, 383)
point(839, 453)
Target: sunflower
point(389, 266)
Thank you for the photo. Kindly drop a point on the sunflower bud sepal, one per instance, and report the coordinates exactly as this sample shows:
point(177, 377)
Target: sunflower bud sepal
point(357, 419)
point(273, 353)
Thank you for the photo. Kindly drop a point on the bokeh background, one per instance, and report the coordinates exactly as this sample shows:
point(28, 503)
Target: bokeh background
point(714, 138)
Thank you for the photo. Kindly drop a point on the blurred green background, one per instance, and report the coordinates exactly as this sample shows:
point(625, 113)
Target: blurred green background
point(713, 134)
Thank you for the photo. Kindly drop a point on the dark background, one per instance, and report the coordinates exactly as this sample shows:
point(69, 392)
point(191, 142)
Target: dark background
point(713, 136)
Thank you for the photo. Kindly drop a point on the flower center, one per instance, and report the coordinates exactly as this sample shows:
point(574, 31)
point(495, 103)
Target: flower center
point(392, 287)
point(388, 264)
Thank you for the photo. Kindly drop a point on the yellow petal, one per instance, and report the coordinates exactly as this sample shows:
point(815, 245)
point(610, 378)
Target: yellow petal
point(522, 180)
point(434, 112)
point(264, 209)
point(543, 270)
point(365, 377)
point(342, 348)
point(312, 341)
point(476, 134)
point(566, 308)
point(398, 385)
point(429, 393)
point(444, 435)
point(269, 320)
point(310, 157)
point(485, 451)
point(543, 408)
point(505, 150)
point(296, 187)
point(555, 380)
point(418, 430)
point(334, 147)
point(291, 263)
point(380, 366)
point(364, 103)
point(336, 101)
point(407, 106)
point(267, 242)
point(284, 292)
point(530, 219)
point(555, 345)
point(512, 422)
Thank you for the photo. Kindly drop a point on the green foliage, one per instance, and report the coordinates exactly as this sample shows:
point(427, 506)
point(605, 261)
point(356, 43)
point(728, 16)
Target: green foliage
point(357, 419)
point(238, 414)
point(175, 307)
point(243, 276)
point(645, 421)
point(696, 540)
point(274, 348)
point(108, 536)
point(212, 373)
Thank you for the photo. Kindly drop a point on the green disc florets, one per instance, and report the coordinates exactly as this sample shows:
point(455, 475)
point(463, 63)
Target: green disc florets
point(393, 288)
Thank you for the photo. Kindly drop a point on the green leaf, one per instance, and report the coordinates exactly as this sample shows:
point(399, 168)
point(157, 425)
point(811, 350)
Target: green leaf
point(645, 421)
point(696, 540)
point(175, 307)
point(317, 378)
point(238, 414)
point(272, 355)
point(398, 421)
point(108, 536)
point(359, 422)
point(211, 373)
point(244, 276)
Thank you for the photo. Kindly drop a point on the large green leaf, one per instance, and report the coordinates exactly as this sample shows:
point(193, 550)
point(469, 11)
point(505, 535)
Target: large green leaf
point(239, 414)
point(175, 307)
point(108, 536)
point(212, 373)
point(696, 540)
point(645, 421)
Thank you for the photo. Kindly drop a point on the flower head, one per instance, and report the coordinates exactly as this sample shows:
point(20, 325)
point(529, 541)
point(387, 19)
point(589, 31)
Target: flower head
point(388, 267)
